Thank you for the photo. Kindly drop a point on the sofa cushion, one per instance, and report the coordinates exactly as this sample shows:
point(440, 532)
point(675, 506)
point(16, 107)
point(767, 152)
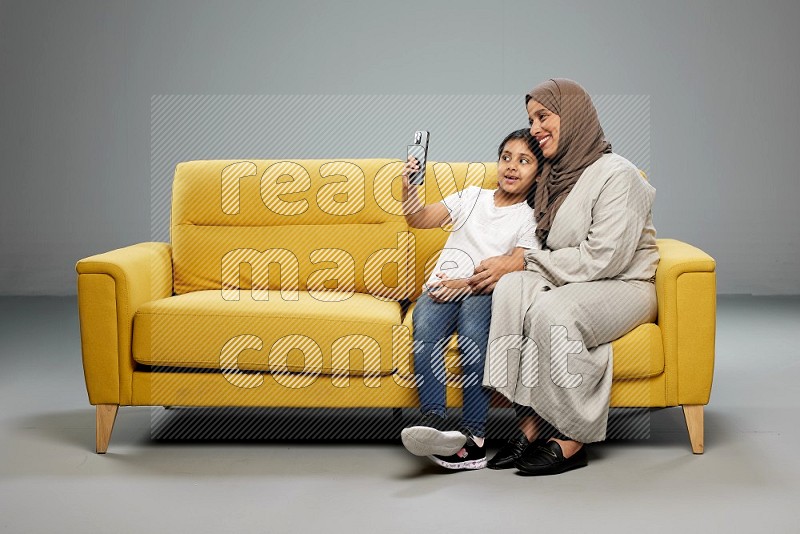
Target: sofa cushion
point(360, 258)
point(202, 330)
point(342, 211)
point(280, 193)
point(638, 354)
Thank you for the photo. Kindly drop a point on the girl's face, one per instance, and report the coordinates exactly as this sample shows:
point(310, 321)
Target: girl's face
point(545, 127)
point(516, 168)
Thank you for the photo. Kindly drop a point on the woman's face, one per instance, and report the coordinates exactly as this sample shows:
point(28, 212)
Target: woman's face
point(516, 168)
point(545, 127)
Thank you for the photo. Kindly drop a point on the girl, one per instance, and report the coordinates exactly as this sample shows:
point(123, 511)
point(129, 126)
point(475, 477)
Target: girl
point(487, 223)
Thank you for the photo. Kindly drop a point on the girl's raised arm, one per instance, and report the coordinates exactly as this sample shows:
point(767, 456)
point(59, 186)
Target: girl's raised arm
point(418, 215)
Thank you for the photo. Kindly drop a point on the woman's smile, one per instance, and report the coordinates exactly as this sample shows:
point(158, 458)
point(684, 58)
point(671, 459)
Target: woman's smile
point(543, 140)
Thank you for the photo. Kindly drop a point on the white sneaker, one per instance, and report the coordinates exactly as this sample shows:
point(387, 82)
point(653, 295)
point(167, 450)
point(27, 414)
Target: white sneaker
point(428, 441)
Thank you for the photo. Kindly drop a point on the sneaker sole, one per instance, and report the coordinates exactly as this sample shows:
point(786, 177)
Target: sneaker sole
point(460, 466)
point(426, 441)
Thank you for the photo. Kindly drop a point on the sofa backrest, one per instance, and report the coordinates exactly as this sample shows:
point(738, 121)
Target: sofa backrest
point(318, 225)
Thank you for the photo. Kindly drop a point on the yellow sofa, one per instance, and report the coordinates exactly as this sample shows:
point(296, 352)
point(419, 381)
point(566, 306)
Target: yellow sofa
point(291, 284)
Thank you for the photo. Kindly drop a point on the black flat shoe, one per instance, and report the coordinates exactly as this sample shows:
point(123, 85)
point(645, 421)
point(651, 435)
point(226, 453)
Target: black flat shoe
point(513, 450)
point(548, 459)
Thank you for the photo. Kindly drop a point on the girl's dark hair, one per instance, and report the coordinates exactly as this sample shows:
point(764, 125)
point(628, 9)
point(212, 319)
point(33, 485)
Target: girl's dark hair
point(526, 136)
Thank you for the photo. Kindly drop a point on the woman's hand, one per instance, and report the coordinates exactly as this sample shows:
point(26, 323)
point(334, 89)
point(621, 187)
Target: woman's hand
point(447, 290)
point(490, 270)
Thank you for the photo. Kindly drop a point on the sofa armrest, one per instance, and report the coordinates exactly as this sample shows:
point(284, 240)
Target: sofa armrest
point(687, 311)
point(111, 287)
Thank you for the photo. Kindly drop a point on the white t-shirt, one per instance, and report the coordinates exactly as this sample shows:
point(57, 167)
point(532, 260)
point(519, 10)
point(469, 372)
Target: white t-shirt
point(481, 230)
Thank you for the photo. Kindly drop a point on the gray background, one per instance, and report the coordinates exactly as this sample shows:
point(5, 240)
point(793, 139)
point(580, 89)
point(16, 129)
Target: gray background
point(78, 80)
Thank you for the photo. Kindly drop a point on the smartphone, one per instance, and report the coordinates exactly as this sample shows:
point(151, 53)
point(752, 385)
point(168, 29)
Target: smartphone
point(420, 151)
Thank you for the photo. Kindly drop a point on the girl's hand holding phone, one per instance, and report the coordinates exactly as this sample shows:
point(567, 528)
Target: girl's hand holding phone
point(411, 166)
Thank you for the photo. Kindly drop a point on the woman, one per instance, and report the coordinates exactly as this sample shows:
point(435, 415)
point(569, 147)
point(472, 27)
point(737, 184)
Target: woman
point(591, 283)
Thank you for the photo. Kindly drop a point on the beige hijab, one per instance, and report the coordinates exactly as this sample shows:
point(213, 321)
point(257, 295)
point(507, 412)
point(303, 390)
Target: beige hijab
point(581, 143)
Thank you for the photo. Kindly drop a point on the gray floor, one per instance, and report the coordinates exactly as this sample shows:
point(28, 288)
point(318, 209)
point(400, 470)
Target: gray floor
point(746, 481)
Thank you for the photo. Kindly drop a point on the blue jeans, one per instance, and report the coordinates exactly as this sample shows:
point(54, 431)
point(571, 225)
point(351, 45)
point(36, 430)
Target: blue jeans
point(434, 324)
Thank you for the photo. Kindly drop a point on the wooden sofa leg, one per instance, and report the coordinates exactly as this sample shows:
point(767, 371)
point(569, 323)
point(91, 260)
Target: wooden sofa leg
point(694, 423)
point(106, 414)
